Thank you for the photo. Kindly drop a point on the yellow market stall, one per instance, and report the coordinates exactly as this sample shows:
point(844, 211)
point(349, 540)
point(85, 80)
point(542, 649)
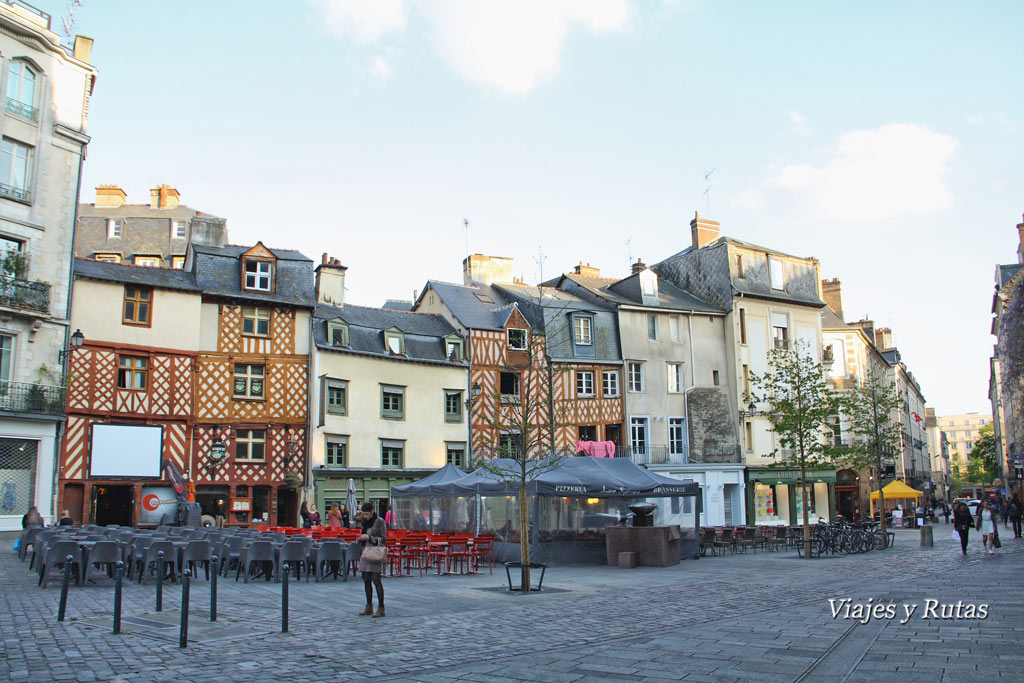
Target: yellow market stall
point(896, 491)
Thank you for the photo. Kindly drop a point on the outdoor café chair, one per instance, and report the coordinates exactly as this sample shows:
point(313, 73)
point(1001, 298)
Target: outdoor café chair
point(28, 538)
point(747, 539)
point(151, 558)
point(330, 555)
point(261, 554)
point(104, 555)
point(352, 555)
point(778, 539)
point(56, 557)
point(726, 540)
point(296, 555)
point(230, 553)
point(200, 552)
point(483, 549)
point(38, 547)
point(707, 541)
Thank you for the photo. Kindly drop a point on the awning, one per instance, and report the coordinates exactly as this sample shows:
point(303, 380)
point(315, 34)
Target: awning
point(897, 489)
point(773, 477)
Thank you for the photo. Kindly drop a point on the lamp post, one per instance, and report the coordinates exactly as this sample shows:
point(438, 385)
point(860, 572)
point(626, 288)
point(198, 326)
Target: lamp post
point(77, 339)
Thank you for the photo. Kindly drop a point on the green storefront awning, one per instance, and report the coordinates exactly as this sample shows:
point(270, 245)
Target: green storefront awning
point(790, 476)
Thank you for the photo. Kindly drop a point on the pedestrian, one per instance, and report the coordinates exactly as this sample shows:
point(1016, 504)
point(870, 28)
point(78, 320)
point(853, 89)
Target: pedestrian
point(307, 521)
point(32, 518)
point(345, 520)
point(945, 511)
point(314, 516)
point(986, 524)
point(333, 517)
point(65, 519)
point(389, 519)
point(1016, 515)
point(962, 523)
point(374, 535)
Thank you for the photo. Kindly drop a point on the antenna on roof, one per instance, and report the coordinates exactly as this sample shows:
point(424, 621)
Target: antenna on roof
point(69, 20)
point(629, 252)
point(707, 188)
point(541, 258)
point(465, 225)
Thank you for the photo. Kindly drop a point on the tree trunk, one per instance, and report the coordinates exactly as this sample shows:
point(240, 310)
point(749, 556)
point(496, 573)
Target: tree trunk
point(524, 537)
point(807, 524)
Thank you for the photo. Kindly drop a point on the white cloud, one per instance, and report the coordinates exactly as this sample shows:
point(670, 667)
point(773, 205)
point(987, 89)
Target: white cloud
point(975, 119)
point(507, 46)
point(380, 68)
point(799, 122)
point(895, 170)
point(365, 21)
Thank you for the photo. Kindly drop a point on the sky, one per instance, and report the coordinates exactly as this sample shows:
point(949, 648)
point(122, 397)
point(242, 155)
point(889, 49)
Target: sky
point(883, 138)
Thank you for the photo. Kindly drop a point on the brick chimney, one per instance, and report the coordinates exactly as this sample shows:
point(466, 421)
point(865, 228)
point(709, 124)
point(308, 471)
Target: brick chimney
point(587, 270)
point(109, 196)
point(883, 338)
point(832, 295)
point(83, 49)
point(163, 197)
point(703, 230)
point(484, 270)
point(637, 267)
point(330, 282)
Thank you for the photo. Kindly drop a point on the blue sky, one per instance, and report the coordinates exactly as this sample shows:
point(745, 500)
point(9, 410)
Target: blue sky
point(882, 138)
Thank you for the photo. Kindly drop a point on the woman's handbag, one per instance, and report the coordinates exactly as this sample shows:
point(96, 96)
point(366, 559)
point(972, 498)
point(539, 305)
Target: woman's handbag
point(375, 553)
point(995, 541)
point(956, 535)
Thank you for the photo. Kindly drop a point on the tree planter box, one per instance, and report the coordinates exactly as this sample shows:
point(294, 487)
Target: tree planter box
point(509, 566)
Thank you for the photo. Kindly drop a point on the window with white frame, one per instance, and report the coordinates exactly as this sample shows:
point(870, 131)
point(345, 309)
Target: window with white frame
point(115, 227)
point(178, 229)
point(780, 330)
point(582, 331)
point(675, 377)
point(336, 451)
point(248, 380)
point(775, 273)
point(148, 261)
point(677, 328)
point(337, 334)
point(610, 383)
point(259, 275)
point(251, 445)
point(395, 342)
point(15, 161)
point(6, 358)
point(636, 377)
point(652, 327)
point(676, 436)
point(21, 90)
point(178, 262)
point(638, 434)
point(584, 384)
point(517, 338)
point(255, 321)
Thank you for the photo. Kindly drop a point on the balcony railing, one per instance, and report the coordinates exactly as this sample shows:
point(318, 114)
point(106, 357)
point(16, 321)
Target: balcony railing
point(680, 455)
point(21, 194)
point(23, 397)
point(31, 296)
point(782, 344)
point(26, 111)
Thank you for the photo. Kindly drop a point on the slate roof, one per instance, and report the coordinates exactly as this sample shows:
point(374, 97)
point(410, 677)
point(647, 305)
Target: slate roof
point(161, 278)
point(424, 333)
point(397, 305)
point(218, 271)
point(143, 211)
point(1007, 272)
point(627, 292)
point(831, 321)
point(470, 310)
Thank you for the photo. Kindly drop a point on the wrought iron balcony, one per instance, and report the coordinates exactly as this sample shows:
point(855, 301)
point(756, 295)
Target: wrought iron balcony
point(782, 344)
point(24, 397)
point(26, 111)
point(31, 296)
point(21, 194)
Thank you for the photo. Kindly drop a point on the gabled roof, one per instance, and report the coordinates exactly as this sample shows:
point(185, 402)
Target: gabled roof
point(218, 271)
point(424, 333)
point(626, 292)
point(161, 278)
point(397, 305)
point(480, 307)
point(831, 321)
point(234, 251)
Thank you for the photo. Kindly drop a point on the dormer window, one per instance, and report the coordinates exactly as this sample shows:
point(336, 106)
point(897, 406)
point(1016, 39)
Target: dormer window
point(337, 333)
point(259, 275)
point(114, 227)
point(453, 348)
point(775, 273)
point(394, 341)
point(583, 335)
point(517, 338)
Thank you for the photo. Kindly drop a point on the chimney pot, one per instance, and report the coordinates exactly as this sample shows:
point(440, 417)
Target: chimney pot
point(638, 266)
point(323, 259)
point(832, 294)
point(163, 197)
point(703, 231)
point(109, 196)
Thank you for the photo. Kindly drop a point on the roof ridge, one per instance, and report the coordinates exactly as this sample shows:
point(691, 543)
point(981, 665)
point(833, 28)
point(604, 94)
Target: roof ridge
point(390, 310)
point(133, 265)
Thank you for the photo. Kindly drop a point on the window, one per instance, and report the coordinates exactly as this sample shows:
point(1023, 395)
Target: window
point(337, 397)
point(392, 402)
point(108, 258)
point(652, 327)
point(743, 326)
point(248, 381)
point(780, 330)
point(337, 334)
point(6, 357)
point(395, 342)
point(391, 453)
point(739, 266)
point(251, 445)
point(452, 405)
point(746, 380)
point(775, 273)
point(582, 332)
point(516, 338)
point(509, 387)
point(675, 377)
point(136, 306)
point(336, 452)
point(714, 377)
point(453, 349)
point(21, 90)
point(148, 261)
point(610, 383)
point(259, 275)
point(584, 384)
point(131, 373)
point(509, 444)
point(114, 226)
point(677, 328)
point(638, 434)
point(14, 169)
point(178, 229)
point(647, 286)
point(255, 321)
point(455, 454)
point(178, 262)
point(636, 377)
point(676, 436)
point(750, 437)
point(587, 433)
point(484, 298)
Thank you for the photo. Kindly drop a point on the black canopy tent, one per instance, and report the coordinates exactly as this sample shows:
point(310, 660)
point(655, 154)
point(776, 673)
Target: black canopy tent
point(571, 504)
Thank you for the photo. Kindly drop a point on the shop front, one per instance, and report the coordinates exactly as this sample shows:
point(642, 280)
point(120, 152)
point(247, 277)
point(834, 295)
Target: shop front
point(774, 496)
point(370, 485)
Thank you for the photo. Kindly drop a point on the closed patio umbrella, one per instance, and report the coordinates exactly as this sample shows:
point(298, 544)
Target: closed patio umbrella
point(350, 499)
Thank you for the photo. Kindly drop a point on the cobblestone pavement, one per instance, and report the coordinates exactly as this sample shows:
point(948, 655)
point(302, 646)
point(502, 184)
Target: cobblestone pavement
point(762, 616)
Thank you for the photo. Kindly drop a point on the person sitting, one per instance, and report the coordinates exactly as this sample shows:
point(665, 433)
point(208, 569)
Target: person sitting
point(65, 519)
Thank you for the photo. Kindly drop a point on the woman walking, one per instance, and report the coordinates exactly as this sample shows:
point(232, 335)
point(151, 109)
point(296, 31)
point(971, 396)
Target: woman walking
point(374, 534)
point(962, 523)
point(986, 524)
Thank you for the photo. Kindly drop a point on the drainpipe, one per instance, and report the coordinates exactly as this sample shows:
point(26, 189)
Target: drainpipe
point(693, 383)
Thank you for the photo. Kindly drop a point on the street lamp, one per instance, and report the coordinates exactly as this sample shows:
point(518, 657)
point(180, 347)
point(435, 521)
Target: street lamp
point(751, 411)
point(474, 394)
point(77, 339)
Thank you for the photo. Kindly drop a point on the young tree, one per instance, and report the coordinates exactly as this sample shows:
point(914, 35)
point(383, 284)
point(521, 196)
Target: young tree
point(799, 404)
point(869, 408)
point(981, 463)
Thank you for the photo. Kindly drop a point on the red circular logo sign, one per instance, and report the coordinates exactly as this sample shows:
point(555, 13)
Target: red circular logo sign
point(151, 502)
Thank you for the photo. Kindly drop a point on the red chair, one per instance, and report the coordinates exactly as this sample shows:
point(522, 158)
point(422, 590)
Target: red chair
point(460, 554)
point(483, 549)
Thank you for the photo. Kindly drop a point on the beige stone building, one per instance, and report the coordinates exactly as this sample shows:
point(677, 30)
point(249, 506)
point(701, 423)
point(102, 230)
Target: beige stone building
point(42, 148)
point(962, 431)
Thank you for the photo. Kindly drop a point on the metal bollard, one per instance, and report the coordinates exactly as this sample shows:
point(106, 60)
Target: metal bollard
point(213, 589)
point(284, 599)
point(183, 634)
point(62, 608)
point(117, 596)
point(159, 580)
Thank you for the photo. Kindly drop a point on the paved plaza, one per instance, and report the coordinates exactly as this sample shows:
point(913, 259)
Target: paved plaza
point(761, 617)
